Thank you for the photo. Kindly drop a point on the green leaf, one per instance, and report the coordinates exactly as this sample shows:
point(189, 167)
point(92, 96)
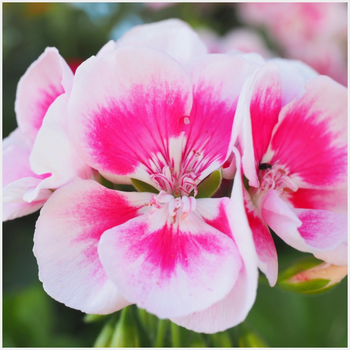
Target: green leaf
point(209, 185)
point(143, 186)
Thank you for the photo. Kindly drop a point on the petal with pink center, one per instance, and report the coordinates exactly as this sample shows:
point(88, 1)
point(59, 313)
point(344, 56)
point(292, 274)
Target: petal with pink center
point(170, 269)
point(217, 80)
point(259, 105)
point(335, 199)
point(307, 230)
point(322, 229)
point(14, 204)
point(46, 78)
point(311, 137)
point(53, 151)
point(172, 36)
point(66, 238)
point(229, 217)
point(131, 101)
point(264, 244)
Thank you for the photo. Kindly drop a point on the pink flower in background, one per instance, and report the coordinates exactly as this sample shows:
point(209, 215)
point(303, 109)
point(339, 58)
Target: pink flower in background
point(137, 113)
point(295, 159)
point(30, 168)
point(315, 33)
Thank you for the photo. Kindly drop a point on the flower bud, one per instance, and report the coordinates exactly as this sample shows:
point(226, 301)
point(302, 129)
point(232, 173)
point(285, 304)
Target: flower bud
point(311, 276)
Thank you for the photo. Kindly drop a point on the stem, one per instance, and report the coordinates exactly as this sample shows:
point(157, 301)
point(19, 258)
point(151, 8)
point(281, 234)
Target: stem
point(175, 335)
point(162, 327)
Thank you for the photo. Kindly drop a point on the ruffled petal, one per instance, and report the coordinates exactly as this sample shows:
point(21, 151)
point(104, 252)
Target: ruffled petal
point(311, 137)
point(170, 269)
point(14, 204)
point(172, 36)
point(307, 230)
point(132, 101)
point(335, 199)
point(66, 239)
point(260, 104)
point(46, 78)
point(16, 149)
point(294, 75)
point(229, 217)
point(217, 82)
point(322, 229)
point(337, 256)
point(264, 244)
point(53, 151)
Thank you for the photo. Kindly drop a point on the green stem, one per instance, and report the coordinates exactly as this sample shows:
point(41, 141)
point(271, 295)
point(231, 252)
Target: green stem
point(175, 335)
point(162, 327)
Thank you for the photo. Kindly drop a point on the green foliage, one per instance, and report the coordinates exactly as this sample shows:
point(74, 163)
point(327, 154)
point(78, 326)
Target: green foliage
point(143, 186)
point(209, 185)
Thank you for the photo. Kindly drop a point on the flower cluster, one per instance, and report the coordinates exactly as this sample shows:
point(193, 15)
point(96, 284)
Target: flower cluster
point(155, 110)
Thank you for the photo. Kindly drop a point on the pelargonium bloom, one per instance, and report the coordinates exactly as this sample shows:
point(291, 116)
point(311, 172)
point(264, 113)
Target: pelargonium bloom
point(137, 113)
point(295, 160)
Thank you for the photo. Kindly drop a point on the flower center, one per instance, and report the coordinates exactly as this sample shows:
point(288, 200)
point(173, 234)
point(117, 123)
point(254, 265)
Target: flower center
point(180, 206)
point(168, 181)
point(275, 177)
point(175, 192)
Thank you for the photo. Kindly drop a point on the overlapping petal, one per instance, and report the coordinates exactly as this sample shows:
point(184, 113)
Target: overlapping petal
point(66, 239)
point(229, 217)
point(132, 106)
point(317, 122)
point(47, 78)
point(172, 36)
point(170, 269)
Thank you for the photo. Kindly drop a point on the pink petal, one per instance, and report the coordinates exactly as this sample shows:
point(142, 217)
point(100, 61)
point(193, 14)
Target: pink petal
point(108, 47)
point(172, 36)
point(217, 80)
point(294, 75)
point(53, 151)
point(131, 101)
point(307, 230)
point(311, 138)
point(337, 256)
point(66, 239)
point(322, 229)
point(15, 157)
point(229, 217)
point(13, 202)
point(48, 77)
point(171, 270)
point(334, 199)
point(264, 244)
point(260, 105)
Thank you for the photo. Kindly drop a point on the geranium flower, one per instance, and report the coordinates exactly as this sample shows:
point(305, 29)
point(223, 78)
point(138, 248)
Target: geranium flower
point(295, 159)
point(137, 113)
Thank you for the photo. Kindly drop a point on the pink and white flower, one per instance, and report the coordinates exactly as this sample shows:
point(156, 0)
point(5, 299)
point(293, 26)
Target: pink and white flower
point(295, 160)
point(37, 156)
point(137, 113)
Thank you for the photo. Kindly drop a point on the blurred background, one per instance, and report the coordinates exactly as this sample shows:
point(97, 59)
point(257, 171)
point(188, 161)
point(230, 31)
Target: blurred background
point(315, 33)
